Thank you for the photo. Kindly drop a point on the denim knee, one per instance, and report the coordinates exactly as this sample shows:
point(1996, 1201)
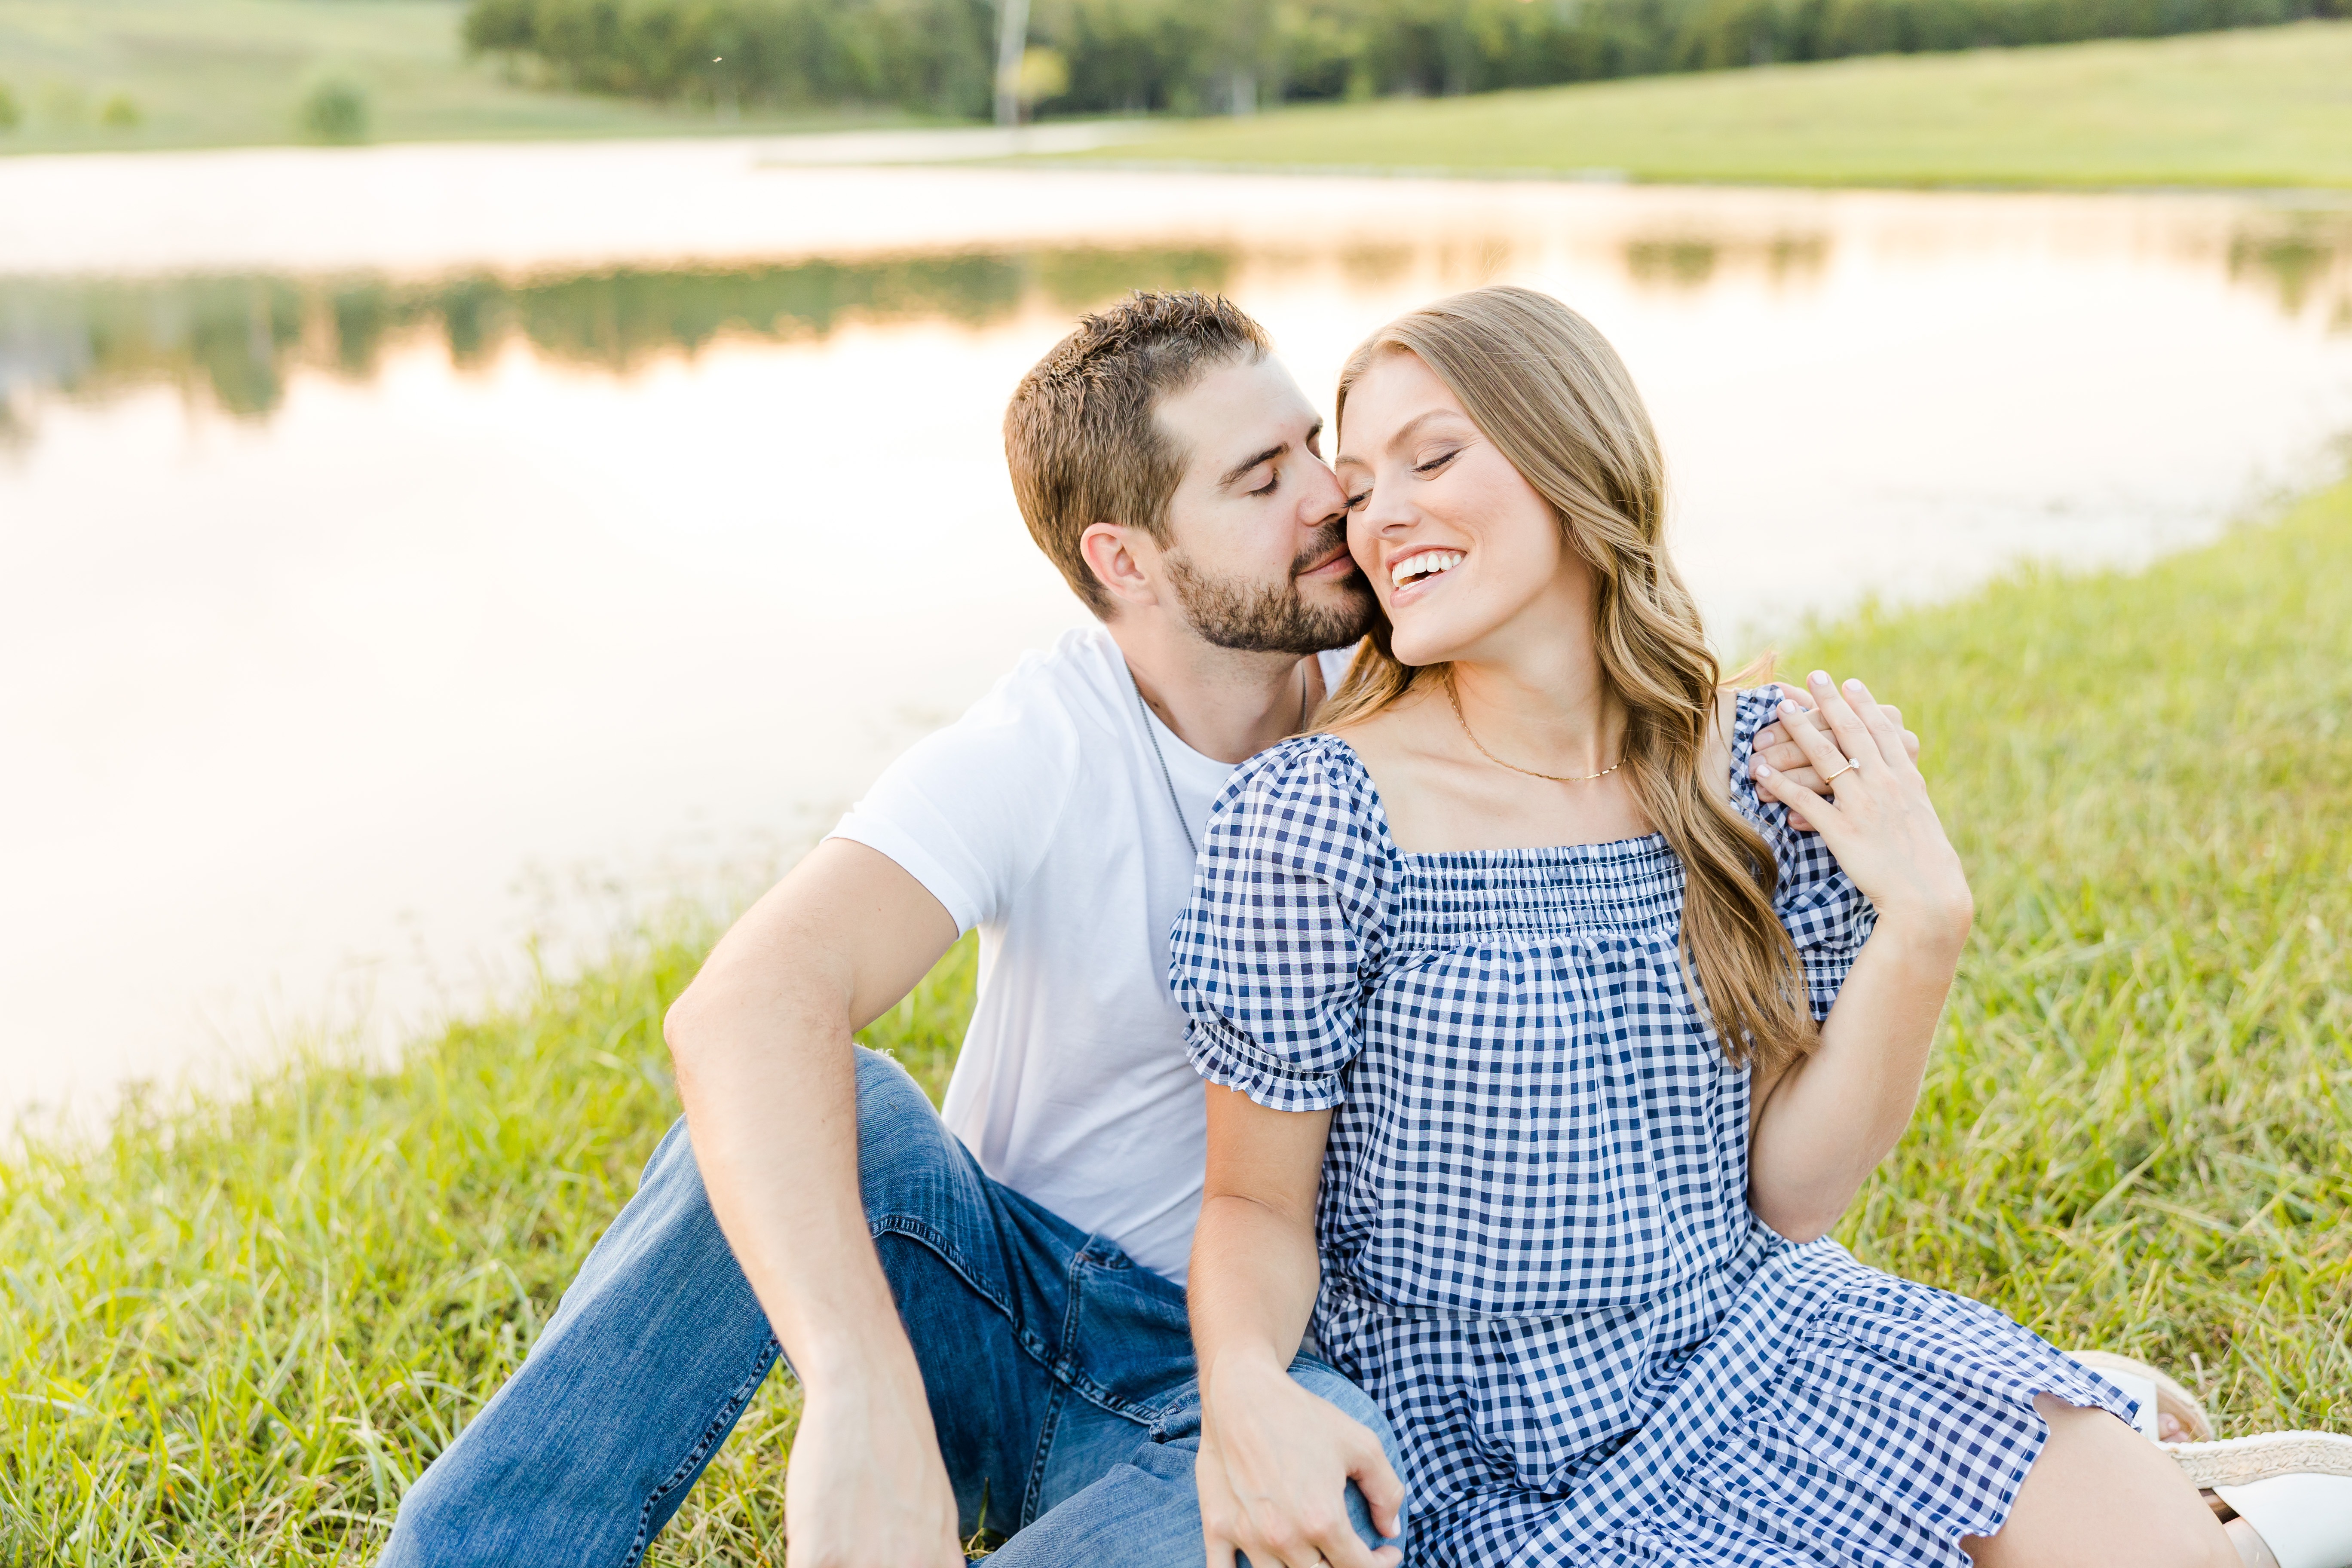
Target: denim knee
point(907, 1161)
point(1327, 1382)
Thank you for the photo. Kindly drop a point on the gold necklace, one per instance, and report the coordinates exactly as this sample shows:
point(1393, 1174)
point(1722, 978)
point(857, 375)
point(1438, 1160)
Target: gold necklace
point(1553, 778)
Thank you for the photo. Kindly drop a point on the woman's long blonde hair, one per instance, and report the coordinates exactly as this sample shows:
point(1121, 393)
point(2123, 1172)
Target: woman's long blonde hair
point(1556, 401)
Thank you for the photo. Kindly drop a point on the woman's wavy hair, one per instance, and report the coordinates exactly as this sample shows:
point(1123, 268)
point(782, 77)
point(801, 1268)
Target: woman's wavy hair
point(1554, 399)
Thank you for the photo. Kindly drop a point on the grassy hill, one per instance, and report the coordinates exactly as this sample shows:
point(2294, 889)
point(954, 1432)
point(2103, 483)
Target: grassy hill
point(212, 73)
point(2268, 106)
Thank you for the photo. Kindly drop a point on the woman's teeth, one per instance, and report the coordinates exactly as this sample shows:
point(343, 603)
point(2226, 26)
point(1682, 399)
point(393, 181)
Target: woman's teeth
point(1427, 563)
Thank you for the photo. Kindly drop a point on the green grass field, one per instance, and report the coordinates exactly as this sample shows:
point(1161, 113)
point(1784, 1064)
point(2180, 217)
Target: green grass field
point(2260, 108)
point(2264, 107)
point(235, 1333)
point(217, 73)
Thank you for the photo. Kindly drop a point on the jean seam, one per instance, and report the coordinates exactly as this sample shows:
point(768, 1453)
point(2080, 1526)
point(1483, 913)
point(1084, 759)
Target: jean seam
point(930, 1238)
point(1056, 1365)
point(711, 1433)
point(1033, 1486)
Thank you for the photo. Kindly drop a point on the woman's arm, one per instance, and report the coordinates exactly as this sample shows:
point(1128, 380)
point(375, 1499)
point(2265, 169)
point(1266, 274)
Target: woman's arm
point(1829, 1121)
point(1275, 1460)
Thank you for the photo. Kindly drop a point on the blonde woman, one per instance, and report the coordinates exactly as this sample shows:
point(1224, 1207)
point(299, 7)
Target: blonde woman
point(1525, 1000)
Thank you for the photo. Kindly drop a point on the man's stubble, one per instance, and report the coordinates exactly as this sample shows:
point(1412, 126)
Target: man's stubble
point(1274, 618)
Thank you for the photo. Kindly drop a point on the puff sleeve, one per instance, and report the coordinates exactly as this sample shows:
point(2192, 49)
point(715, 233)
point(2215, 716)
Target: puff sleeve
point(1271, 958)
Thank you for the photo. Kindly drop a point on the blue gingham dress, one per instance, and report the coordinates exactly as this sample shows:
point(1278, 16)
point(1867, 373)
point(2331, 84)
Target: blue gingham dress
point(1537, 1254)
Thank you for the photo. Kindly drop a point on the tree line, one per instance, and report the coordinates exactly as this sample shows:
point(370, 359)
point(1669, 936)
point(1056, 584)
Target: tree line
point(1193, 57)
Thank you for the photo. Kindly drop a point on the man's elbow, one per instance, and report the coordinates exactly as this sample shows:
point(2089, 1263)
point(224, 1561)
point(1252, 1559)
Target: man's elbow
point(686, 1026)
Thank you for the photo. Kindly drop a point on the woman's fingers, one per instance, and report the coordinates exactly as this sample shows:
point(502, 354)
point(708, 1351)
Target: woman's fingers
point(1374, 1477)
point(1886, 734)
point(1818, 747)
point(1774, 784)
point(1846, 727)
point(1280, 1513)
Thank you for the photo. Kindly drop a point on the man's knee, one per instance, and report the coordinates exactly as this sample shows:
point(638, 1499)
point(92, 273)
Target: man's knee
point(906, 1158)
point(899, 1134)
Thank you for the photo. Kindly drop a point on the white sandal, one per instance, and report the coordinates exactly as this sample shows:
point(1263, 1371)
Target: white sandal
point(2294, 1489)
point(2157, 1394)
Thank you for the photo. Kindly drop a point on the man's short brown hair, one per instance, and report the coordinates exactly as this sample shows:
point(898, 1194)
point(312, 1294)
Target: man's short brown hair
point(1080, 435)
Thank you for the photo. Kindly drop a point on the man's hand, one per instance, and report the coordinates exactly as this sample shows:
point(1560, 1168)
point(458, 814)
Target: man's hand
point(1779, 750)
point(865, 1488)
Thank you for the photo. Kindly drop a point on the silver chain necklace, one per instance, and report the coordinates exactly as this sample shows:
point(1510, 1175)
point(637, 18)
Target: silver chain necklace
point(1152, 735)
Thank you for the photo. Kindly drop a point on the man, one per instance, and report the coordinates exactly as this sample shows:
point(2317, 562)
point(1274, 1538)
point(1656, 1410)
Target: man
point(984, 1306)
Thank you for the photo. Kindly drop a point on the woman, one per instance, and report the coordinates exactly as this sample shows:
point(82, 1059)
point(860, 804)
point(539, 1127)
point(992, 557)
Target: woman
point(1581, 1115)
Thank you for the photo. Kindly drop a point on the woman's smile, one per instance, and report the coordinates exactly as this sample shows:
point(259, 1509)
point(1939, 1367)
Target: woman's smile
point(1416, 570)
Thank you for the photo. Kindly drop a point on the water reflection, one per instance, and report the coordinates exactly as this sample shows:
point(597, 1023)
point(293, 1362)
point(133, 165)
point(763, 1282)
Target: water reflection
point(1692, 262)
point(237, 339)
point(2303, 258)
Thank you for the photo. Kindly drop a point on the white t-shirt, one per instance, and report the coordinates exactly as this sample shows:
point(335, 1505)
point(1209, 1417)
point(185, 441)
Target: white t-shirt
point(1043, 818)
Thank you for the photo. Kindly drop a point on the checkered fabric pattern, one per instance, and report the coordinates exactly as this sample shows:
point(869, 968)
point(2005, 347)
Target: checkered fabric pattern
point(1538, 1255)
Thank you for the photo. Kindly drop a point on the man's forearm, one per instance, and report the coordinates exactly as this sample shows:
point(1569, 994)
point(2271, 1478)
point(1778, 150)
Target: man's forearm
point(764, 1048)
point(771, 1097)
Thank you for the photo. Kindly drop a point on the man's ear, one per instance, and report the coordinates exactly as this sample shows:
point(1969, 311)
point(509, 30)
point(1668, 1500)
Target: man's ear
point(1125, 561)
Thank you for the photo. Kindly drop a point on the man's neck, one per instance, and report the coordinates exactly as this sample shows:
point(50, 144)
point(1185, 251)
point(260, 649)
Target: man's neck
point(1225, 704)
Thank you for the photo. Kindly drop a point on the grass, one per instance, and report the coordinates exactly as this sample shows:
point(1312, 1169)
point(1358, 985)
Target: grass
point(2264, 107)
point(219, 73)
point(236, 1331)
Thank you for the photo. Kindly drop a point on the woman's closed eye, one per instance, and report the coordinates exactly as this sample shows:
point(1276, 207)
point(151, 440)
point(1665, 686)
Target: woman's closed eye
point(1356, 502)
point(1437, 462)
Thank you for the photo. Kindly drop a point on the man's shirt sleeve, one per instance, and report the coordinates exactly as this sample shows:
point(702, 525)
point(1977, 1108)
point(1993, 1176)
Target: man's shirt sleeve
point(970, 810)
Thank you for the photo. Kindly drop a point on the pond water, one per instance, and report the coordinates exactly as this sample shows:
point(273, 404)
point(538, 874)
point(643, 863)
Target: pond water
point(404, 550)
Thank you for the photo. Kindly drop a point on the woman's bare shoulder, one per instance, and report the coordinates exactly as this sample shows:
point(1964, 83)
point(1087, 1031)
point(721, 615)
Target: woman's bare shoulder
point(1392, 735)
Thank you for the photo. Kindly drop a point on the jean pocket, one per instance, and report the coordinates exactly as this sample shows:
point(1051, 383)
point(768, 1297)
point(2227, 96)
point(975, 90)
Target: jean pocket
point(1128, 1341)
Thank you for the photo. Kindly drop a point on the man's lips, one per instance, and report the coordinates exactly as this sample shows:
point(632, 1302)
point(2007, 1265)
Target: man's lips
point(1336, 564)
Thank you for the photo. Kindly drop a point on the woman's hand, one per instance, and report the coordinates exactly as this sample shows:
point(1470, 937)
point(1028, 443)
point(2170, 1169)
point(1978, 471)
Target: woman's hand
point(1878, 820)
point(1776, 744)
point(1274, 1468)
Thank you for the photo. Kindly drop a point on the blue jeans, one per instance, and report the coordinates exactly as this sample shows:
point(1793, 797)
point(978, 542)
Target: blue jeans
point(1059, 1373)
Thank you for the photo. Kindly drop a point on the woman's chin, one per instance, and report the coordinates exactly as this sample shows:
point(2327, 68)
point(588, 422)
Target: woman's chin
point(1418, 649)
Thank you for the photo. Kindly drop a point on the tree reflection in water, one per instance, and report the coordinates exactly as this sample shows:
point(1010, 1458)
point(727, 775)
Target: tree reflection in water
point(236, 340)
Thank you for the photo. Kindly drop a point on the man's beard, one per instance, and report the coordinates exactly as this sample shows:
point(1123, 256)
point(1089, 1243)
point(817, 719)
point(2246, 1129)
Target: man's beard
point(1274, 618)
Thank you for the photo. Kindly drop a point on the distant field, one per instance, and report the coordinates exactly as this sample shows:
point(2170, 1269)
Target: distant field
point(2268, 106)
point(213, 73)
